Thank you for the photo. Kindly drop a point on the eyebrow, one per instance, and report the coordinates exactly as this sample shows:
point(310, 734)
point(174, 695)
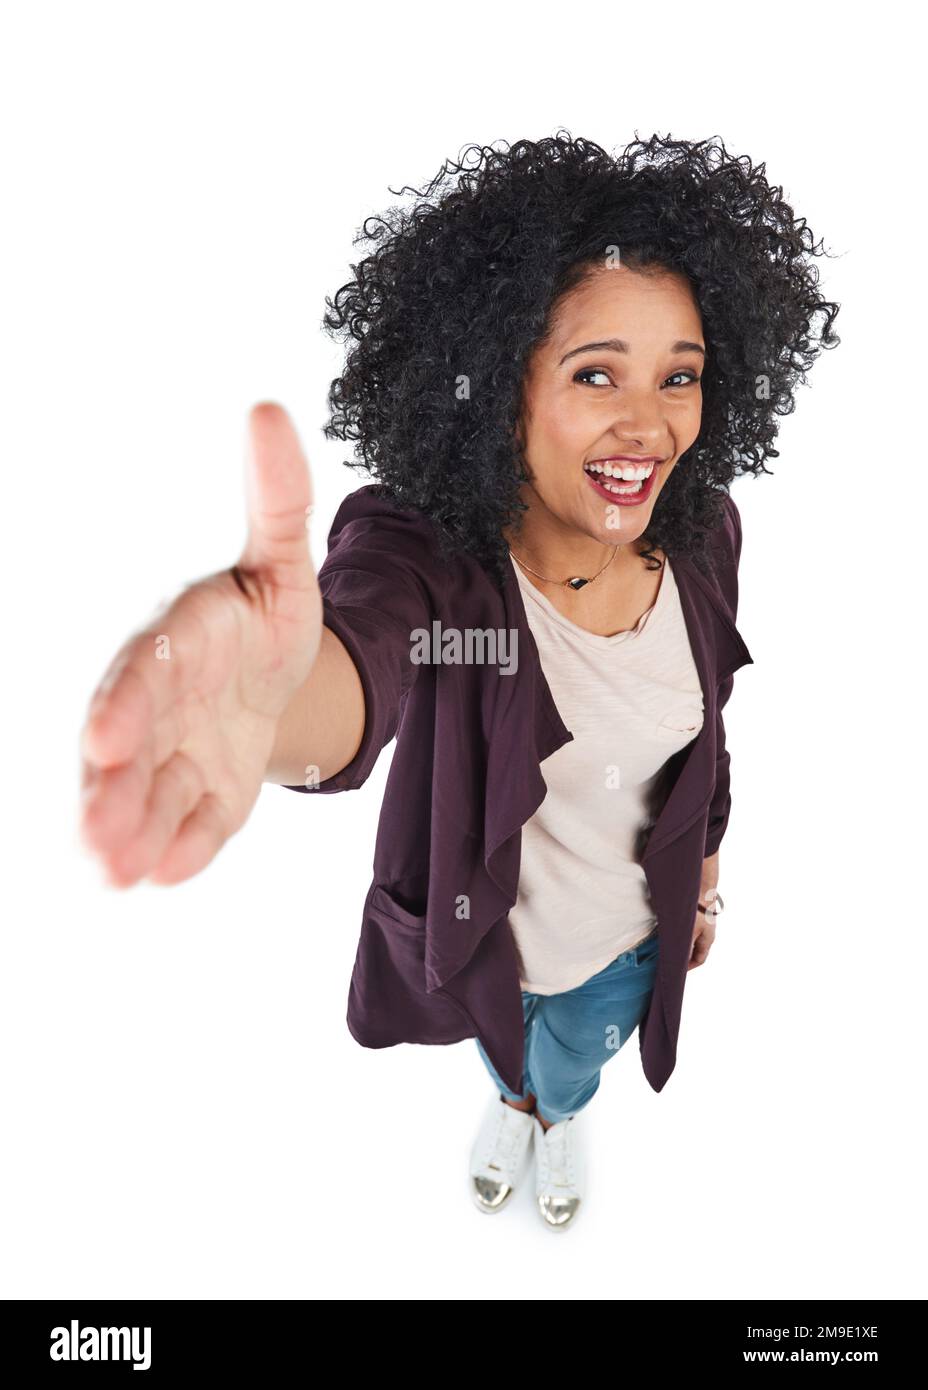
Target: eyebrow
point(619, 345)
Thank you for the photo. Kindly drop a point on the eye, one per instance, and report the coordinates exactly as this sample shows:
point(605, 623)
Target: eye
point(689, 378)
point(591, 371)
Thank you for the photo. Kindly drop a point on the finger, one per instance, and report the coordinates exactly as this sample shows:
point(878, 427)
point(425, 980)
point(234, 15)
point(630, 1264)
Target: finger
point(176, 789)
point(112, 804)
point(279, 497)
point(154, 670)
point(114, 799)
point(118, 707)
point(700, 953)
point(199, 839)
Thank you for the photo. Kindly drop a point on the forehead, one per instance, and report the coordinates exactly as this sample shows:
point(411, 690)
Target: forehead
point(644, 309)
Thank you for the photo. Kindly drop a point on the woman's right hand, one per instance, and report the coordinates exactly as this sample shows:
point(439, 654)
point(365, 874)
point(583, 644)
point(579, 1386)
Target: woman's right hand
point(179, 732)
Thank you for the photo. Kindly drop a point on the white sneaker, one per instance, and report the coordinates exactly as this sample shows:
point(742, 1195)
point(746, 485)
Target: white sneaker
point(499, 1153)
point(560, 1172)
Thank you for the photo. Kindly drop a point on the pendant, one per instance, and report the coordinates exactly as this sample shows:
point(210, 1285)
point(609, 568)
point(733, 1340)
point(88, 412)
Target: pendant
point(577, 583)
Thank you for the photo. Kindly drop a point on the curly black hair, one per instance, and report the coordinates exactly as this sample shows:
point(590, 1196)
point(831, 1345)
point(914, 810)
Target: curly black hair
point(464, 284)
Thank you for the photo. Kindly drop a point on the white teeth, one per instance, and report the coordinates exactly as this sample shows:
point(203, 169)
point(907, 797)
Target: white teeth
point(627, 472)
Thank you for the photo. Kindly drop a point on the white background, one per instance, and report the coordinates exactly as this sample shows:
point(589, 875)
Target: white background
point(184, 1112)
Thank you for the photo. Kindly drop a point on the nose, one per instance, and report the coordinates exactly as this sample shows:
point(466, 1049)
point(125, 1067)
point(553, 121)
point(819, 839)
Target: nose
point(639, 421)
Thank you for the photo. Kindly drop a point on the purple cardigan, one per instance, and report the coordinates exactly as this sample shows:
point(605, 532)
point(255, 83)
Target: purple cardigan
point(437, 961)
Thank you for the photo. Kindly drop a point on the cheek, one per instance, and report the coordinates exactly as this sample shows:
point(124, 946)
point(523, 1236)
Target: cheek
point(685, 430)
point(694, 420)
point(571, 432)
point(664, 479)
point(555, 442)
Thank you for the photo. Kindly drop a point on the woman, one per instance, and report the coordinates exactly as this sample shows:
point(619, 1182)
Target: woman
point(558, 361)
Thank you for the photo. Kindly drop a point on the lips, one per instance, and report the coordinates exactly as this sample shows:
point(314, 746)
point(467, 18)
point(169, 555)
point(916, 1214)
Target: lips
point(627, 482)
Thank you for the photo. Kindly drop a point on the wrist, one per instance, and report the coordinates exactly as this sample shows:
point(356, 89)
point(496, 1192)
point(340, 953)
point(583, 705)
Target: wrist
point(710, 903)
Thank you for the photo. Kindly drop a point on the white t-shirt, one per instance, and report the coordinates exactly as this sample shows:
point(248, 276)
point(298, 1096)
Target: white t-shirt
point(631, 701)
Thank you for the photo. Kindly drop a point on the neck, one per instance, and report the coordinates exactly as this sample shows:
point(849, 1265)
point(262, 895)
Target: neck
point(558, 551)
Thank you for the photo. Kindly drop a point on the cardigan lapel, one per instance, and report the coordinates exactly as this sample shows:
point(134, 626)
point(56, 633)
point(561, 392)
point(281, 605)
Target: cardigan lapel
point(515, 785)
point(718, 650)
point(526, 728)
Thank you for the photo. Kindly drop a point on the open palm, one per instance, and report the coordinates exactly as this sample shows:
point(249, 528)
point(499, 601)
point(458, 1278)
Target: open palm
point(179, 732)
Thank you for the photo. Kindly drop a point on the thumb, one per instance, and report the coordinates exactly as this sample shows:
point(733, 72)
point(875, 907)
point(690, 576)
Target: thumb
point(278, 491)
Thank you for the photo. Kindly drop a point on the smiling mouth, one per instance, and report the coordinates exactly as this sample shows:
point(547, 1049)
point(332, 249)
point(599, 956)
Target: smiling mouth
point(621, 479)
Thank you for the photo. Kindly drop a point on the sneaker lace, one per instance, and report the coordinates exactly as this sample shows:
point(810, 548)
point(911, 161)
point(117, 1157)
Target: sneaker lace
point(505, 1140)
point(557, 1151)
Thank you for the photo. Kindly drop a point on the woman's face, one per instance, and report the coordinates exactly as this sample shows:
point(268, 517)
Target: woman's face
point(615, 387)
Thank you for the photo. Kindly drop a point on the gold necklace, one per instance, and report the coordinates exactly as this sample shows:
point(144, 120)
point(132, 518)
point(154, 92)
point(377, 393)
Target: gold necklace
point(577, 582)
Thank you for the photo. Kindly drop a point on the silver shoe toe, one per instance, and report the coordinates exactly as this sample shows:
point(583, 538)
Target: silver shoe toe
point(558, 1212)
point(491, 1195)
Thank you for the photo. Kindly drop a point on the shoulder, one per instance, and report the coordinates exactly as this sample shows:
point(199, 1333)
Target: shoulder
point(378, 548)
point(372, 532)
point(725, 538)
point(733, 525)
point(725, 550)
point(725, 535)
point(370, 512)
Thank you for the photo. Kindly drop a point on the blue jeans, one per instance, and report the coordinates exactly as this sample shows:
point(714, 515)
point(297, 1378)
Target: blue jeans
point(569, 1036)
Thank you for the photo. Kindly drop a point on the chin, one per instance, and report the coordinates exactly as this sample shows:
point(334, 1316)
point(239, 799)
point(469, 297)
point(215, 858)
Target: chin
point(634, 523)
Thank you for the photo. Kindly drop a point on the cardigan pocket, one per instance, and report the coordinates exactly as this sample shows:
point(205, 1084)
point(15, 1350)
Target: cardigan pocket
point(388, 1000)
point(384, 902)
